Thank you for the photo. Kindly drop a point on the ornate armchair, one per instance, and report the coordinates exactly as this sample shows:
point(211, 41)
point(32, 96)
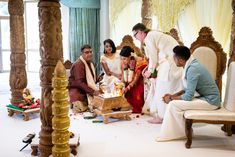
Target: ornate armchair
point(68, 64)
point(174, 33)
point(210, 53)
point(224, 115)
point(127, 40)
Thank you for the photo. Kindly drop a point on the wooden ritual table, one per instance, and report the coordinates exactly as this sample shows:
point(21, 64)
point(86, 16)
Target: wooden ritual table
point(25, 112)
point(115, 107)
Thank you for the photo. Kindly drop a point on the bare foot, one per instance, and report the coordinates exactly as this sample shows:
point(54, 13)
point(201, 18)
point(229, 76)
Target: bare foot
point(155, 120)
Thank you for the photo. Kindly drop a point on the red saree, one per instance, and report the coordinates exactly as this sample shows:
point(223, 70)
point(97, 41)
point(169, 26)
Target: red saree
point(135, 96)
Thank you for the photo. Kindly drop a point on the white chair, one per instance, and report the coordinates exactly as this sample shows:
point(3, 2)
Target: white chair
point(224, 115)
point(127, 40)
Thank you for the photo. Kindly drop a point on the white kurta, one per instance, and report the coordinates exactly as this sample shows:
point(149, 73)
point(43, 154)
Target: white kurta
point(150, 106)
point(159, 49)
point(114, 65)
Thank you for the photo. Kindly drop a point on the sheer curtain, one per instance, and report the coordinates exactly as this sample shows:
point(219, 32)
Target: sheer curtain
point(167, 12)
point(216, 14)
point(127, 17)
point(125, 20)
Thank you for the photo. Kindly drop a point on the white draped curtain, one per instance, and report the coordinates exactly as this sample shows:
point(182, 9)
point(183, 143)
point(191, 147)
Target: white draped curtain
point(216, 14)
point(124, 14)
point(123, 21)
point(167, 12)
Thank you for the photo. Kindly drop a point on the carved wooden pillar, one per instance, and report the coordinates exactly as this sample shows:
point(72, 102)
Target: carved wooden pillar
point(146, 13)
point(232, 44)
point(50, 51)
point(18, 76)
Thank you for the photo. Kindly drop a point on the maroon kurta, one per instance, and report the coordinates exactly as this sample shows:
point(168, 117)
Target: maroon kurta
point(78, 87)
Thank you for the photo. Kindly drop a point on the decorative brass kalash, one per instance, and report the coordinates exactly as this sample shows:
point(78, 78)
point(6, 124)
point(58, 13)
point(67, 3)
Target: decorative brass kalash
point(60, 111)
point(64, 141)
point(112, 103)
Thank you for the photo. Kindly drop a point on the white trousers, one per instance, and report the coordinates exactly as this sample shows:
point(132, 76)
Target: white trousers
point(150, 106)
point(162, 88)
point(169, 84)
point(173, 125)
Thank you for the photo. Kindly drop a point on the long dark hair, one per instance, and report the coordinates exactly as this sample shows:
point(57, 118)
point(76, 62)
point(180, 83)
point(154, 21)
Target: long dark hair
point(112, 45)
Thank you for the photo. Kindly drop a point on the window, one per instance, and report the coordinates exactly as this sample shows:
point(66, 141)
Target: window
point(31, 35)
point(4, 37)
point(3, 8)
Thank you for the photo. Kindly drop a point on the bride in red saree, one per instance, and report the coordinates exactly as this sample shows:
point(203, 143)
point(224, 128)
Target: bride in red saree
point(131, 75)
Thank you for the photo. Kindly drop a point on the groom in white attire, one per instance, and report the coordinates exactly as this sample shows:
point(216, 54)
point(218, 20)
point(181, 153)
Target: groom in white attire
point(158, 48)
point(200, 92)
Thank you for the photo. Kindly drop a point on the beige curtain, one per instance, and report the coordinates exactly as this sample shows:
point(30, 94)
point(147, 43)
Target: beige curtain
point(125, 20)
point(216, 14)
point(124, 14)
point(167, 12)
point(115, 7)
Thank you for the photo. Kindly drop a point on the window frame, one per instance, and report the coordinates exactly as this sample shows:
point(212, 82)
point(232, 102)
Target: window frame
point(2, 50)
point(27, 50)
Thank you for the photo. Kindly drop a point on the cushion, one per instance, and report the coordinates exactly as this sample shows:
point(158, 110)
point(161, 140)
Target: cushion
point(205, 54)
point(229, 99)
point(216, 115)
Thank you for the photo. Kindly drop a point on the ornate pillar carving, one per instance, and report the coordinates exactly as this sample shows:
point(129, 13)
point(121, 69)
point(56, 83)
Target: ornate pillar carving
point(18, 76)
point(60, 111)
point(50, 51)
point(146, 13)
point(232, 44)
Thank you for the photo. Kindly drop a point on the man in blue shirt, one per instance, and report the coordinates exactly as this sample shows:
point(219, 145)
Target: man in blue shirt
point(200, 92)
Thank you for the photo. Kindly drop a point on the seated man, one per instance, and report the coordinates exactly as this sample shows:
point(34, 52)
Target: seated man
point(82, 80)
point(131, 76)
point(200, 92)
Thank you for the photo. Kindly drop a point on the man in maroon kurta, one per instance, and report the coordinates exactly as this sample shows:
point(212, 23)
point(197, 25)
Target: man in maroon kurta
point(79, 86)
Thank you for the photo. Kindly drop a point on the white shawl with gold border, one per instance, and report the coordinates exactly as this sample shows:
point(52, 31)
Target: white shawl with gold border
point(90, 79)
